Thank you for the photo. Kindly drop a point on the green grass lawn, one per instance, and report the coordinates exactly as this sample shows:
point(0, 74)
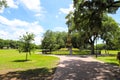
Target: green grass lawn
point(109, 52)
point(75, 51)
point(13, 60)
point(110, 57)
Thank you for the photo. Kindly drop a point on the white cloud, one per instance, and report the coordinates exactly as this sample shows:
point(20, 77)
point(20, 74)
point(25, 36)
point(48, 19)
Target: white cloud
point(2, 10)
point(14, 28)
point(67, 10)
point(3, 34)
point(33, 5)
point(38, 39)
point(12, 23)
point(37, 15)
point(60, 29)
point(12, 4)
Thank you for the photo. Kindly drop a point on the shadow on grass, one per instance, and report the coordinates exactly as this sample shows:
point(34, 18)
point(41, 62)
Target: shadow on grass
point(21, 60)
point(31, 74)
point(113, 63)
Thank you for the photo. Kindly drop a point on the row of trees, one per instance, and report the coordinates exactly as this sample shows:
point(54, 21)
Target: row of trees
point(8, 44)
point(13, 44)
point(109, 34)
point(56, 40)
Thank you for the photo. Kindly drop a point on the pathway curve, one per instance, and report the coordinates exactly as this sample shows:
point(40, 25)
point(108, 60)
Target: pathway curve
point(85, 68)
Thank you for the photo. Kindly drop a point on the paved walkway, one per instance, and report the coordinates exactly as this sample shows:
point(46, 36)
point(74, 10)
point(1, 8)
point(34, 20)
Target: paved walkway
point(85, 68)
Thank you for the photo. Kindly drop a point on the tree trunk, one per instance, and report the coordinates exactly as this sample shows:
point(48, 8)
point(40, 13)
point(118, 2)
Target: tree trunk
point(92, 48)
point(70, 50)
point(26, 56)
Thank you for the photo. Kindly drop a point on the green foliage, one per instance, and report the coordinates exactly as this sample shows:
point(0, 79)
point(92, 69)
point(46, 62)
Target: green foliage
point(88, 19)
point(26, 43)
point(8, 44)
point(110, 32)
point(53, 40)
point(48, 41)
point(78, 40)
point(13, 44)
point(3, 3)
point(1, 43)
point(100, 46)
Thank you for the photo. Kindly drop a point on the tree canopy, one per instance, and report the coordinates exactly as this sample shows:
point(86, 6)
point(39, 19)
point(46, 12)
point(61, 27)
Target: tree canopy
point(26, 43)
point(54, 40)
point(89, 19)
point(3, 3)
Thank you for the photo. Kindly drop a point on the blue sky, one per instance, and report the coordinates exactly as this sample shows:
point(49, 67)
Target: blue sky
point(35, 16)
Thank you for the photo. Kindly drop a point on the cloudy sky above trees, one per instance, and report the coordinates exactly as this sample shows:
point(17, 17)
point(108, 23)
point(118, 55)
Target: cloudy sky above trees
point(35, 16)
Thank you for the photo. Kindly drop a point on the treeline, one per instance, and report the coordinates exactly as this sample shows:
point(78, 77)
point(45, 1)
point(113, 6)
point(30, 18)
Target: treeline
point(56, 40)
point(111, 46)
point(12, 44)
point(8, 44)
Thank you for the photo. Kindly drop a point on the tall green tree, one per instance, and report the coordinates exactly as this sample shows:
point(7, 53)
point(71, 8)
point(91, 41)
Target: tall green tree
point(26, 43)
point(70, 23)
point(88, 16)
point(49, 40)
point(110, 31)
point(60, 41)
point(53, 40)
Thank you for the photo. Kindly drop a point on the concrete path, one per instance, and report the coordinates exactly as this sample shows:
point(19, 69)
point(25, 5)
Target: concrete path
point(85, 68)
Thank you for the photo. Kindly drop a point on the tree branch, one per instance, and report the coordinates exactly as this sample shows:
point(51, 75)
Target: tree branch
point(114, 4)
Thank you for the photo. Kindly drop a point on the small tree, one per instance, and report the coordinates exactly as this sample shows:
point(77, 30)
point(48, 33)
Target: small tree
point(26, 44)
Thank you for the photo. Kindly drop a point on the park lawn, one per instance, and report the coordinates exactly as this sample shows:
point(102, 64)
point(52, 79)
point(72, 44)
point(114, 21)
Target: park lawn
point(109, 58)
point(13, 60)
point(110, 51)
point(75, 51)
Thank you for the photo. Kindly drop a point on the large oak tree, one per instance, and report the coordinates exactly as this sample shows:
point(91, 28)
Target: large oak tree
point(88, 17)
